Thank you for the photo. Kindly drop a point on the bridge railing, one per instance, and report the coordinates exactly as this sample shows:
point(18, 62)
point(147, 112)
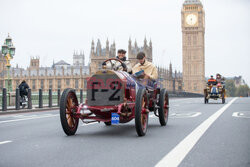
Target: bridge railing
point(40, 99)
point(184, 94)
point(49, 99)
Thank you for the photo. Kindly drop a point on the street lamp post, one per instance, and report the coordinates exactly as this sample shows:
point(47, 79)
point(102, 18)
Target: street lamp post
point(8, 50)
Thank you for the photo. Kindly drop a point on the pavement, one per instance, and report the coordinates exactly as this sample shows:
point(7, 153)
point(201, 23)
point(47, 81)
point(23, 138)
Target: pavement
point(197, 134)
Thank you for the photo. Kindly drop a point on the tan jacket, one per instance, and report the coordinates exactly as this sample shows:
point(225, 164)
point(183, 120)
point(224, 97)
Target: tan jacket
point(149, 69)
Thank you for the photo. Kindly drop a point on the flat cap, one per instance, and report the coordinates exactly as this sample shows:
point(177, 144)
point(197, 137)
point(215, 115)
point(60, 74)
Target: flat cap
point(122, 51)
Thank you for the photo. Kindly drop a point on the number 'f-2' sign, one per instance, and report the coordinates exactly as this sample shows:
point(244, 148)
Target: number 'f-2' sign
point(112, 90)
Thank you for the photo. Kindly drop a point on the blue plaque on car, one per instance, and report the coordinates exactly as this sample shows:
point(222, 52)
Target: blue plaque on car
point(115, 118)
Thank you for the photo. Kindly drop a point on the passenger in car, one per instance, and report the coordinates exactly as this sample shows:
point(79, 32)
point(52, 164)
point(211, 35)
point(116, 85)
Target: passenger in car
point(148, 69)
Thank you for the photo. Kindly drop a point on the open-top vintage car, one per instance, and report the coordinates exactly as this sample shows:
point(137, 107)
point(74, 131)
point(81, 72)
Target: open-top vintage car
point(114, 97)
point(214, 91)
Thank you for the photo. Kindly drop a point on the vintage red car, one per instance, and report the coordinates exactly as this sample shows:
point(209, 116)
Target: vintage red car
point(114, 96)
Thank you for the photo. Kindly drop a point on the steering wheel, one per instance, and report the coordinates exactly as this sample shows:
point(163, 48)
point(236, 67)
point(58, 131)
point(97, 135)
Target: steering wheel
point(113, 63)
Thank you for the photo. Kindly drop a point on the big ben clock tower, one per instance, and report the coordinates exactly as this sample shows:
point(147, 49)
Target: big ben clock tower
point(193, 52)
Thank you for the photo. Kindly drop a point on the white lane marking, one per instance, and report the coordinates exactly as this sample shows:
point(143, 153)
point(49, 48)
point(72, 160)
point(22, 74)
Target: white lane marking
point(29, 118)
point(89, 124)
point(21, 115)
point(4, 142)
point(10, 116)
point(18, 116)
point(152, 116)
point(240, 115)
point(177, 154)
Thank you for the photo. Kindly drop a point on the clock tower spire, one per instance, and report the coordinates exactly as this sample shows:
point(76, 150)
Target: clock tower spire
point(193, 46)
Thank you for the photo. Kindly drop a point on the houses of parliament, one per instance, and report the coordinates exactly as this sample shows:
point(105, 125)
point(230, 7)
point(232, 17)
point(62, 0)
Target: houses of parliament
point(62, 75)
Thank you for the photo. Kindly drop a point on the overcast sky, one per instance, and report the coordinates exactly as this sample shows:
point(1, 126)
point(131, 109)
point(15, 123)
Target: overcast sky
point(53, 29)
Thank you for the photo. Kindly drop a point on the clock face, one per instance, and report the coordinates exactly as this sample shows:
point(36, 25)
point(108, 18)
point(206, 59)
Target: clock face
point(191, 19)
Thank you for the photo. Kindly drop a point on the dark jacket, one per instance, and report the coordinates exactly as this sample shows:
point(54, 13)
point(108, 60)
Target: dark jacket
point(23, 88)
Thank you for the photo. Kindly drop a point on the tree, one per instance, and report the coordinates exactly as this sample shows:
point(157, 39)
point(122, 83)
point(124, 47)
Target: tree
point(230, 88)
point(242, 90)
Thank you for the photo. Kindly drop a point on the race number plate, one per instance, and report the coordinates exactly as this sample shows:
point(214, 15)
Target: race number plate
point(104, 90)
point(115, 118)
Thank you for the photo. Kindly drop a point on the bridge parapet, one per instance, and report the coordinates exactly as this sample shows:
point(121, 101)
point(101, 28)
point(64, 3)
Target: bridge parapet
point(184, 94)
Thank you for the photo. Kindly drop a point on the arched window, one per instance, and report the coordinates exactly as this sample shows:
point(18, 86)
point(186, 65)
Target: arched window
point(51, 84)
point(188, 40)
point(59, 83)
point(194, 40)
point(76, 83)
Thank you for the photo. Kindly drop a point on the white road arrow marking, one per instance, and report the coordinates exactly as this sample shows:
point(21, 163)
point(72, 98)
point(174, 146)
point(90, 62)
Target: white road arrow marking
point(185, 115)
point(4, 142)
point(240, 115)
point(181, 115)
point(176, 156)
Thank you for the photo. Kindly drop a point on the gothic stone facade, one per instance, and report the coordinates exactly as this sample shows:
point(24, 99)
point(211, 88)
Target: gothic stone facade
point(133, 50)
point(193, 30)
point(55, 77)
point(170, 80)
point(99, 54)
point(63, 75)
point(78, 58)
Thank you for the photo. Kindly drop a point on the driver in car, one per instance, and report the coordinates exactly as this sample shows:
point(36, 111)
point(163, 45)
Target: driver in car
point(211, 81)
point(117, 66)
point(148, 69)
point(126, 64)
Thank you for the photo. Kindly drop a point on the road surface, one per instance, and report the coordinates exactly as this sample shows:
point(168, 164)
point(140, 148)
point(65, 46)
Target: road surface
point(197, 134)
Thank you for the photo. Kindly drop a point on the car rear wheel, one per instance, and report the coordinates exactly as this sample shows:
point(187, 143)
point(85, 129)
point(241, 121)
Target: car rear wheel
point(68, 109)
point(205, 100)
point(223, 98)
point(141, 112)
point(164, 107)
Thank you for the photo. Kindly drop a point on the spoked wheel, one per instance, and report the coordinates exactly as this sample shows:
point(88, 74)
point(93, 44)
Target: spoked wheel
point(223, 98)
point(205, 100)
point(141, 112)
point(68, 108)
point(164, 107)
